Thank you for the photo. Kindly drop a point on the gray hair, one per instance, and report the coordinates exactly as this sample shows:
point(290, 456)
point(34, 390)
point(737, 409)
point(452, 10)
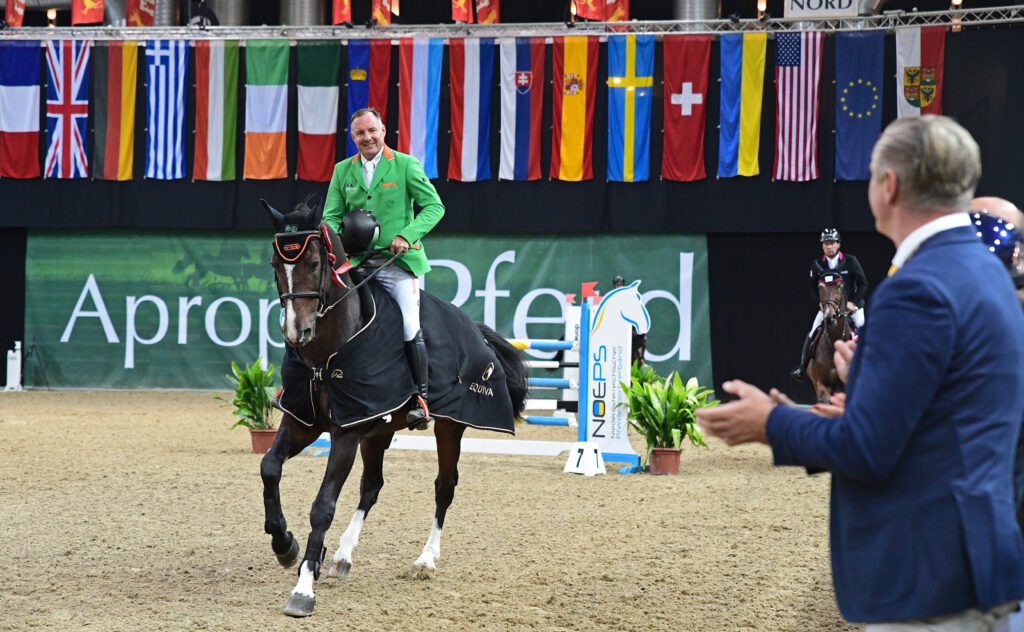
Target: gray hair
point(937, 162)
point(363, 111)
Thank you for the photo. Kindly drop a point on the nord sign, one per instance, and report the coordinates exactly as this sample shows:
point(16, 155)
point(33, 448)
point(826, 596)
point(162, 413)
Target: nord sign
point(820, 8)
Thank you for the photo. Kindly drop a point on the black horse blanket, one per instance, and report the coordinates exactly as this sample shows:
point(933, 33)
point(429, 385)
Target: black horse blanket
point(369, 375)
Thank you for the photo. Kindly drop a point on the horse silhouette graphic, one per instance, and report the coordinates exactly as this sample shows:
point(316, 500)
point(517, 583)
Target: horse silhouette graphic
point(625, 303)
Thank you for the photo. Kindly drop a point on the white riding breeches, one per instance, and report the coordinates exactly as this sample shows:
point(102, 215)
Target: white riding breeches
point(404, 287)
point(857, 317)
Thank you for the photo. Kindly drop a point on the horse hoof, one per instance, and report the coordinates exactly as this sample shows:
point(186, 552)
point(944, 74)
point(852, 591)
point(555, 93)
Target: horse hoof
point(300, 605)
point(339, 569)
point(422, 571)
point(289, 558)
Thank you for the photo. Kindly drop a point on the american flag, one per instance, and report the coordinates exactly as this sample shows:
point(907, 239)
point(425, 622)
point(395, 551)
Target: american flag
point(166, 66)
point(67, 108)
point(797, 74)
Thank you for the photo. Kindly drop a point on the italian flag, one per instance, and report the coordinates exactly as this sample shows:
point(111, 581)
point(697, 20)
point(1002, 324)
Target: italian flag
point(920, 52)
point(216, 110)
point(318, 66)
point(266, 109)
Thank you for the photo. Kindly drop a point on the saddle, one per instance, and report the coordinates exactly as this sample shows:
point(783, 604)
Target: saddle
point(369, 376)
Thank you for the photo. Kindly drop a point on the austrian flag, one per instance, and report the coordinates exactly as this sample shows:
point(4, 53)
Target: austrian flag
point(920, 52)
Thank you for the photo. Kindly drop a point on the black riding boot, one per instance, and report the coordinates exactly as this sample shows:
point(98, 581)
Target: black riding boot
point(416, 351)
point(798, 372)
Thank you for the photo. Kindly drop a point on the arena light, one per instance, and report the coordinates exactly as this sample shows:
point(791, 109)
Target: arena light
point(762, 6)
point(51, 17)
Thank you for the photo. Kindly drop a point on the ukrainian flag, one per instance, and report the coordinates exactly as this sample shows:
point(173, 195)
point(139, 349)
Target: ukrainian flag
point(630, 91)
point(739, 131)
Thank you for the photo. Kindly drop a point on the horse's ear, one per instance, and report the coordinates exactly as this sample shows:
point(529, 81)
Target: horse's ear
point(276, 218)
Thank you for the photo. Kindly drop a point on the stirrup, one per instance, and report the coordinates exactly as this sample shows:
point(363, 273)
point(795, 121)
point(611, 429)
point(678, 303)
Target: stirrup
point(419, 417)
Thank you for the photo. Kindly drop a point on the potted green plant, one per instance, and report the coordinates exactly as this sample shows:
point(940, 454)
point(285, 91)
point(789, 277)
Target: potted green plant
point(663, 412)
point(254, 387)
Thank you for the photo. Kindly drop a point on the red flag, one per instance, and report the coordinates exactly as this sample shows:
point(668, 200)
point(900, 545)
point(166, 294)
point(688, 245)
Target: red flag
point(461, 11)
point(616, 11)
point(487, 11)
point(587, 289)
point(16, 12)
point(590, 9)
point(86, 12)
point(382, 12)
point(686, 91)
point(797, 75)
point(342, 11)
point(140, 12)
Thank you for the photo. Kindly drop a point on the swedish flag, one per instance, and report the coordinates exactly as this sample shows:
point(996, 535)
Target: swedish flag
point(630, 91)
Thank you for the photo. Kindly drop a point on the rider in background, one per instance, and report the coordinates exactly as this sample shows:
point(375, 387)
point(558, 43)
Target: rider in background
point(854, 281)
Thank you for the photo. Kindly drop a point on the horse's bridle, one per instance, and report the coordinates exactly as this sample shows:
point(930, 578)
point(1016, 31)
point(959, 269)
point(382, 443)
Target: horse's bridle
point(840, 310)
point(296, 243)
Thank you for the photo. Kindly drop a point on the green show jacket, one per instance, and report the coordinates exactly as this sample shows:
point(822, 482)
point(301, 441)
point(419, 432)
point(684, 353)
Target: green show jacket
point(398, 182)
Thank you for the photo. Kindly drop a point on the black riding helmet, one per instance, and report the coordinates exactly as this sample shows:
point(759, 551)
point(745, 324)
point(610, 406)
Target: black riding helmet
point(359, 231)
point(830, 234)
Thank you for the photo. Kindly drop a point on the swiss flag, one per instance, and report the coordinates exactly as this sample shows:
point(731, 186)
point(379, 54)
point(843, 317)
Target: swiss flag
point(686, 95)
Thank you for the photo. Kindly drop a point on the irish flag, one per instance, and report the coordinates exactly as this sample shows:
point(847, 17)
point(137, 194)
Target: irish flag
point(318, 65)
point(266, 109)
point(920, 52)
point(216, 110)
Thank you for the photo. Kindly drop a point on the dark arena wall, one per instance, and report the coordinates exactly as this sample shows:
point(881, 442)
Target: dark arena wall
point(761, 234)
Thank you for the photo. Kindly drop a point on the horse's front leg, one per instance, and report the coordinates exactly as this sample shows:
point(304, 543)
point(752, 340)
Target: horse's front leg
point(291, 438)
point(449, 438)
point(372, 451)
point(339, 464)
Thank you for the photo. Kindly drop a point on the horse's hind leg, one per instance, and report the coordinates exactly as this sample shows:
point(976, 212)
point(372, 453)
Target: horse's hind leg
point(291, 438)
point(372, 451)
point(449, 438)
point(339, 464)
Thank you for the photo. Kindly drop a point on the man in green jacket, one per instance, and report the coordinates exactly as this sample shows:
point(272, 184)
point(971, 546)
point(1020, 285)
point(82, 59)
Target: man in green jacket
point(388, 184)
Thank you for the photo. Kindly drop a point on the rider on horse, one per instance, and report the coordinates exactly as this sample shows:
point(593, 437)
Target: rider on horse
point(384, 185)
point(854, 281)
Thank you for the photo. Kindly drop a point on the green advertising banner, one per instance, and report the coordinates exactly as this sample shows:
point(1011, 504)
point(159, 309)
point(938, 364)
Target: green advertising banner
point(155, 309)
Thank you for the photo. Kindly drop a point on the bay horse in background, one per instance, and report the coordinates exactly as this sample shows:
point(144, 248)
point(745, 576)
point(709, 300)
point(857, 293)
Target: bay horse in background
point(322, 314)
point(834, 327)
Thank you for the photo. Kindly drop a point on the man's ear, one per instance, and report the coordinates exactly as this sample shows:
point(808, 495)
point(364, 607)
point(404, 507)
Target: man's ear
point(891, 186)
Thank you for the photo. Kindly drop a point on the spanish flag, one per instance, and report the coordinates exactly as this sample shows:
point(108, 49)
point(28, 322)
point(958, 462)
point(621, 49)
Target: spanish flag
point(575, 78)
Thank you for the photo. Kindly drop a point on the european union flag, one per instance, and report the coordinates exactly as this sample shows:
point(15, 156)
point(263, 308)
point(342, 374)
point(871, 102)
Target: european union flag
point(630, 92)
point(858, 101)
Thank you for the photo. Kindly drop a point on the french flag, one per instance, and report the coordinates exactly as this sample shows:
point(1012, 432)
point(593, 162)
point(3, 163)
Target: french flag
point(19, 109)
point(522, 95)
point(471, 71)
point(419, 76)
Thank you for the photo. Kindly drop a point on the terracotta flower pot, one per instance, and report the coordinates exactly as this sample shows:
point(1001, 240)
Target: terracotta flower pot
point(262, 440)
point(665, 460)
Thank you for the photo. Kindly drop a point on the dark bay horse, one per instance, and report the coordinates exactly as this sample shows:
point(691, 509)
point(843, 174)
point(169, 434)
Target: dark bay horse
point(835, 326)
point(322, 314)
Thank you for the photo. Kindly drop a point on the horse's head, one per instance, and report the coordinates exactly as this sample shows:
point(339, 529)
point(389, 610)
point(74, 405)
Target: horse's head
point(304, 258)
point(626, 303)
point(831, 294)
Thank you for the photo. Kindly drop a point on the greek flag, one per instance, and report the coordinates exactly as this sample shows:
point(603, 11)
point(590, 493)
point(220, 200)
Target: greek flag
point(166, 67)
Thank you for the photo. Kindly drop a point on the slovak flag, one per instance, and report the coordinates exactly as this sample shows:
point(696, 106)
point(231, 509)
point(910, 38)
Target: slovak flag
point(67, 108)
point(419, 90)
point(471, 72)
point(522, 95)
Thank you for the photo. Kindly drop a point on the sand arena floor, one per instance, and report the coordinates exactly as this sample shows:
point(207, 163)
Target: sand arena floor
point(143, 511)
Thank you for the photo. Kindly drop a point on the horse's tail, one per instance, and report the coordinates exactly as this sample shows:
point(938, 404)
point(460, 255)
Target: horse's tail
point(516, 372)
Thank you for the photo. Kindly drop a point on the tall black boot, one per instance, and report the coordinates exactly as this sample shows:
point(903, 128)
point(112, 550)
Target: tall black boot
point(416, 352)
point(798, 372)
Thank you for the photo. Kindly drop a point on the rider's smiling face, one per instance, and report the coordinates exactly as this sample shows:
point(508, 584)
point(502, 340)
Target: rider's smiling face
point(830, 248)
point(368, 135)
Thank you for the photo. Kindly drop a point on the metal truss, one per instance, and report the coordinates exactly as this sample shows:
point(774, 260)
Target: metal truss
point(888, 21)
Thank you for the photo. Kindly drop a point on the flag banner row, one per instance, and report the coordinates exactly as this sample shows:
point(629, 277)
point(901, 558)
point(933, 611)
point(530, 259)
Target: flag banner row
point(511, 71)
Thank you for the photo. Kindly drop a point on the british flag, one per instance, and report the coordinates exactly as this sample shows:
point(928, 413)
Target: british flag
point(67, 108)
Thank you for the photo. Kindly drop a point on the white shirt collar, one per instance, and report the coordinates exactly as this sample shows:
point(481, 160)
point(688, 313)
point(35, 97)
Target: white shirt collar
point(832, 261)
point(921, 234)
point(375, 160)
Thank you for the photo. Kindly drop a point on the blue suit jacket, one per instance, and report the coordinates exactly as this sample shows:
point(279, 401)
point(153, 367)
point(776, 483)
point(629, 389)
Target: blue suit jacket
point(922, 513)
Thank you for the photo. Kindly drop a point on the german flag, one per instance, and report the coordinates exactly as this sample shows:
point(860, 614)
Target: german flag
point(115, 69)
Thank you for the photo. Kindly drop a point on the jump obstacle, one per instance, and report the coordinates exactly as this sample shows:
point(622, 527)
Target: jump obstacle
point(588, 370)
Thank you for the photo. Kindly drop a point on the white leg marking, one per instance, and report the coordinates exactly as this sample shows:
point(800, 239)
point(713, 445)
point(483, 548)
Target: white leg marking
point(426, 565)
point(341, 561)
point(304, 586)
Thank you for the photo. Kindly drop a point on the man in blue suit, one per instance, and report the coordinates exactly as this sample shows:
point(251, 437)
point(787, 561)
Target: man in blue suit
point(923, 535)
